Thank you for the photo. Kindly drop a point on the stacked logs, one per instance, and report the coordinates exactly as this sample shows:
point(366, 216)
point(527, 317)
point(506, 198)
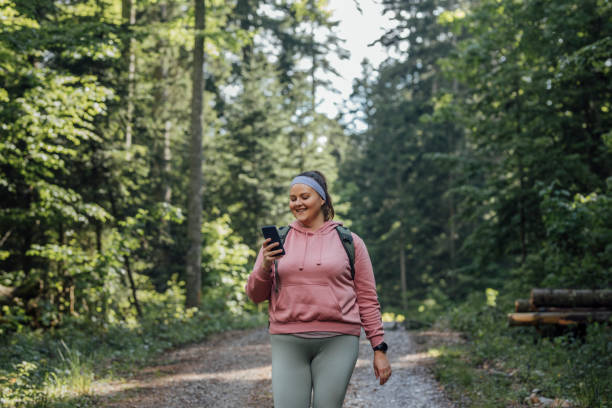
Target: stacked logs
point(562, 307)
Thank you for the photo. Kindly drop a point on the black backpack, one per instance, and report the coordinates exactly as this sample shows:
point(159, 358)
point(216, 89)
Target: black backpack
point(347, 242)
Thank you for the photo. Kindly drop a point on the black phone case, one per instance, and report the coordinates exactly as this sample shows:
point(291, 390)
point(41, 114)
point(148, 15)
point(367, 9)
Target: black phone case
point(270, 231)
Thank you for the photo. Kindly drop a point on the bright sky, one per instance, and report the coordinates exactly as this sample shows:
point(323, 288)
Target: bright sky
point(358, 30)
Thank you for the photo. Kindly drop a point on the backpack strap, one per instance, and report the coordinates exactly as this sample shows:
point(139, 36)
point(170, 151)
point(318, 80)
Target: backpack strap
point(282, 233)
point(349, 246)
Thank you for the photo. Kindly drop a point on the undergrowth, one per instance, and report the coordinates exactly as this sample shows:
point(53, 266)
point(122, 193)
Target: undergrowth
point(499, 366)
point(56, 368)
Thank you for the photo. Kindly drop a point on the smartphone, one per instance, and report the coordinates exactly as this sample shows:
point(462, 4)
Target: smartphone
point(270, 231)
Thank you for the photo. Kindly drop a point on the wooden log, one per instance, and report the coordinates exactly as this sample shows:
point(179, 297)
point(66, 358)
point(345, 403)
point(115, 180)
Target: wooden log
point(543, 309)
point(571, 298)
point(565, 318)
point(522, 305)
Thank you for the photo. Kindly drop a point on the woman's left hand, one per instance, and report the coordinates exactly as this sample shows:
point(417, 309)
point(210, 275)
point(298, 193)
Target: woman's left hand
point(382, 368)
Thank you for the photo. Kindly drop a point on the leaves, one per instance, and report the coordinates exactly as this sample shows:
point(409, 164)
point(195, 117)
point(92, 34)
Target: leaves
point(491, 102)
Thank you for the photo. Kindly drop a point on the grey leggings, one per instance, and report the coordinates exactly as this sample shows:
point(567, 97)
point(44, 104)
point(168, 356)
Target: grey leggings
point(323, 366)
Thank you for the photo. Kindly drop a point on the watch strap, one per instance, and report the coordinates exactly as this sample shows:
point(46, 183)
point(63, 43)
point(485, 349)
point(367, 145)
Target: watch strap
point(381, 347)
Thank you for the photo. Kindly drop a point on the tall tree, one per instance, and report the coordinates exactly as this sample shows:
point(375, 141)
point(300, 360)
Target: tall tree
point(194, 215)
point(408, 220)
point(51, 110)
point(529, 69)
point(128, 13)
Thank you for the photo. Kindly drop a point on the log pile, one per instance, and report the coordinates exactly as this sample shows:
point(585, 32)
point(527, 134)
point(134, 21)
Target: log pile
point(562, 307)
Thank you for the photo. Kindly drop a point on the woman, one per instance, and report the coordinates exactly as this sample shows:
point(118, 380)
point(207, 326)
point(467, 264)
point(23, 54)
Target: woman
point(316, 308)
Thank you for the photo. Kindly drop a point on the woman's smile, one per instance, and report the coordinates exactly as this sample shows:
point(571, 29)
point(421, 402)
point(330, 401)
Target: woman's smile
point(300, 211)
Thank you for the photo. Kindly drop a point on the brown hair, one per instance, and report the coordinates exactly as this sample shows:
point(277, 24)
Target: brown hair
point(328, 207)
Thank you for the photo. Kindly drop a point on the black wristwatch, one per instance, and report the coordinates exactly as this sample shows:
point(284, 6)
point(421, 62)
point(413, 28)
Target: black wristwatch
point(381, 347)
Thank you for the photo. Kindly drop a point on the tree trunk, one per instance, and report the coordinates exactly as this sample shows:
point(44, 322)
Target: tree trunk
point(194, 215)
point(128, 268)
point(6, 236)
point(163, 102)
point(570, 298)
point(126, 258)
point(403, 277)
point(451, 184)
point(165, 189)
point(313, 70)
point(561, 318)
point(521, 200)
point(167, 157)
point(128, 13)
point(98, 226)
point(402, 237)
point(243, 9)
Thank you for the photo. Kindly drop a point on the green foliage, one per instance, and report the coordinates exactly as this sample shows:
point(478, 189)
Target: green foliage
point(500, 365)
point(44, 368)
point(89, 221)
point(577, 252)
point(520, 120)
point(226, 260)
point(399, 170)
point(498, 116)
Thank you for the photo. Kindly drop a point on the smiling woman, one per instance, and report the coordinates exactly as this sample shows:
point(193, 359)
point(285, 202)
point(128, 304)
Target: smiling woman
point(317, 315)
point(310, 201)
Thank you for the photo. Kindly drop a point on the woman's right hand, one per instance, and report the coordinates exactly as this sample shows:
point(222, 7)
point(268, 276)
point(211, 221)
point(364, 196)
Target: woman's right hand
point(270, 254)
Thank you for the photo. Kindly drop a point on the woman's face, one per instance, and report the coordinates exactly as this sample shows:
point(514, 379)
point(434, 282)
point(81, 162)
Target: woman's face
point(305, 203)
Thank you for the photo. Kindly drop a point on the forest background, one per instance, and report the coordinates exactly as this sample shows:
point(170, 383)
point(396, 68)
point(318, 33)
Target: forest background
point(480, 168)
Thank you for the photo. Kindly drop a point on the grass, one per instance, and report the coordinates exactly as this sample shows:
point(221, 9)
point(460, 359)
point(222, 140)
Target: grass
point(57, 368)
point(499, 366)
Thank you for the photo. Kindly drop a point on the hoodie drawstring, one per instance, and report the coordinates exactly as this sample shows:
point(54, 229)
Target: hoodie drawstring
point(316, 236)
point(319, 253)
point(305, 252)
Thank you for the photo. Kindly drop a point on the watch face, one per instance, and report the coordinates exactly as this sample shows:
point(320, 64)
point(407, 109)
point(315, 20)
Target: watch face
point(382, 347)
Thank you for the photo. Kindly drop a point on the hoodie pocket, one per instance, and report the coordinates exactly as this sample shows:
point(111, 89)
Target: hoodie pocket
point(305, 303)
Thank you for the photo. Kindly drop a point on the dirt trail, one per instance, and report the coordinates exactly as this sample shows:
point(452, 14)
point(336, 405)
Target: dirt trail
point(233, 369)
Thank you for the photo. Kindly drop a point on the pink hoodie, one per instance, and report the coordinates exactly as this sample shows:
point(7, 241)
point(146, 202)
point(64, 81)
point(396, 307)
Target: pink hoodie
point(316, 292)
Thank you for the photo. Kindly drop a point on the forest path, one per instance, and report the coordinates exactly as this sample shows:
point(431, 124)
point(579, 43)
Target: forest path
point(233, 369)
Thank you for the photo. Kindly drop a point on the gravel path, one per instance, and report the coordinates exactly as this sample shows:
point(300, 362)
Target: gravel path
point(233, 369)
point(410, 385)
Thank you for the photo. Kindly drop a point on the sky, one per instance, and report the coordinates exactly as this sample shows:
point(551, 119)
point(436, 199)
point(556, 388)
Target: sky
point(359, 30)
